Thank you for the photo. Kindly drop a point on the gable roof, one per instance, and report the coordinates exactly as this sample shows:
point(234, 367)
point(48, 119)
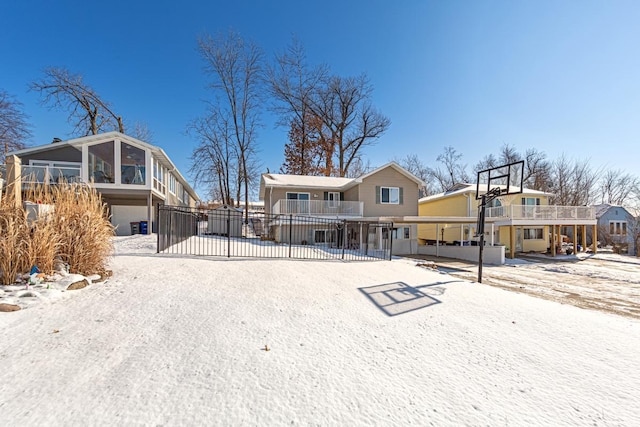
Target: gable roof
point(605, 207)
point(324, 182)
point(158, 152)
point(465, 188)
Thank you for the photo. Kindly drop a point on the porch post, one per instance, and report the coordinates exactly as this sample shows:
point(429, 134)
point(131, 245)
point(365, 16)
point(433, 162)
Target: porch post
point(553, 240)
point(437, 238)
point(512, 241)
point(14, 179)
point(575, 239)
point(149, 212)
point(584, 237)
point(595, 239)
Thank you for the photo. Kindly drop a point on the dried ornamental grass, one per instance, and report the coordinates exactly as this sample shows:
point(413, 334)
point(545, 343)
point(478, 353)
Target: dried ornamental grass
point(81, 219)
point(77, 231)
point(14, 238)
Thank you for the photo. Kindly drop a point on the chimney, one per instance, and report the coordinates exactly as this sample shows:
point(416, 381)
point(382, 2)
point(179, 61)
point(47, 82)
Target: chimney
point(56, 139)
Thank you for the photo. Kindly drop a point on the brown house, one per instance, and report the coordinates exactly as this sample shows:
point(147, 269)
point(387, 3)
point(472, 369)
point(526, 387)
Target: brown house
point(389, 191)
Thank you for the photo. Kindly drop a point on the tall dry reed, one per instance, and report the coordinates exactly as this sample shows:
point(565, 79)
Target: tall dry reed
point(77, 231)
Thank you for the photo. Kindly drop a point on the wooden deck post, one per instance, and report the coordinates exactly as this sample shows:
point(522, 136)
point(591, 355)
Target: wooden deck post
point(575, 239)
point(14, 180)
point(553, 240)
point(584, 237)
point(595, 239)
point(512, 242)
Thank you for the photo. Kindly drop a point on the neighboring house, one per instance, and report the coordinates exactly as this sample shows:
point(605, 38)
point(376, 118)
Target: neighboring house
point(523, 222)
point(389, 191)
point(132, 176)
point(617, 227)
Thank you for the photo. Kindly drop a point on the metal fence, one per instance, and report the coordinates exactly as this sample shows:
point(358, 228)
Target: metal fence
point(228, 232)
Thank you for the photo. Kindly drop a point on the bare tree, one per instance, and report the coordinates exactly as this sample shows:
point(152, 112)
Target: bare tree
point(618, 187)
point(349, 121)
point(413, 164)
point(236, 70)
point(573, 183)
point(453, 172)
point(536, 167)
point(141, 131)
point(292, 84)
point(14, 128)
point(214, 161)
point(88, 112)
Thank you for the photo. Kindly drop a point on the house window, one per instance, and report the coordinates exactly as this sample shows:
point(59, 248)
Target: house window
point(618, 228)
point(297, 196)
point(533, 233)
point(401, 233)
point(390, 195)
point(172, 184)
point(324, 236)
point(529, 206)
point(100, 166)
point(132, 165)
point(334, 199)
point(159, 172)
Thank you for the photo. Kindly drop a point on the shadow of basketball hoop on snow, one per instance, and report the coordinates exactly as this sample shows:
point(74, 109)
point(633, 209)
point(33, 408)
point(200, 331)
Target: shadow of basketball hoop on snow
point(398, 298)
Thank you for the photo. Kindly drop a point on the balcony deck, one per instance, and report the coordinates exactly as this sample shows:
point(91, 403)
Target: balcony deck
point(542, 213)
point(318, 208)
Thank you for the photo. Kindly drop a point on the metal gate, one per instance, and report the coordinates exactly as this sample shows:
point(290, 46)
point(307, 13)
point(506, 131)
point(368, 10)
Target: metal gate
point(228, 232)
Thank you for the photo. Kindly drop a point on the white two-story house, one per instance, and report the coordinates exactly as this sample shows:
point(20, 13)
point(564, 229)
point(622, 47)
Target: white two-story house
point(132, 176)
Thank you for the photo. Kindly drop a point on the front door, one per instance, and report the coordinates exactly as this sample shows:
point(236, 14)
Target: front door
point(518, 239)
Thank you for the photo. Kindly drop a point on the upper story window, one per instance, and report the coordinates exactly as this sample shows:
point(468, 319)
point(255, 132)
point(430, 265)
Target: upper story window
point(531, 201)
point(333, 198)
point(159, 172)
point(390, 195)
point(172, 184)
point(100, 167)
point(297, 196)
point(618, 228)
point(132, 165)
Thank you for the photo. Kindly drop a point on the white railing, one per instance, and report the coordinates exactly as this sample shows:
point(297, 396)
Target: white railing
point(541, 212)
point(318, 207)
point(50, 175)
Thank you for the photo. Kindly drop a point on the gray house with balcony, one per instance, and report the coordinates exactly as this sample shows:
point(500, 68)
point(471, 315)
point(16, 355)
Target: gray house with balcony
point(388, 191)
point(132, 176)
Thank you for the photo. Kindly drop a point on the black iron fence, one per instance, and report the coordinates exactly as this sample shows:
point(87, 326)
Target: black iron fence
point(228, 232)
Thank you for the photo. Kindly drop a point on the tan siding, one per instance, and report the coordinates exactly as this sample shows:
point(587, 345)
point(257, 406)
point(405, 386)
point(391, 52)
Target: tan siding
point(457, 205)
point(388, 177)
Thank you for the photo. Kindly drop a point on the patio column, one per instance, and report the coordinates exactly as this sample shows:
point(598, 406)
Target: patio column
point(584, 237)
point(553, 240)
point(512, 241)
point(595, 239)
point(14, 179)
point(575, 239)
point(149, 212)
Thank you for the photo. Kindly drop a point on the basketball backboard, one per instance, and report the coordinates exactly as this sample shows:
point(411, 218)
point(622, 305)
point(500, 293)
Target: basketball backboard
point(504, 179)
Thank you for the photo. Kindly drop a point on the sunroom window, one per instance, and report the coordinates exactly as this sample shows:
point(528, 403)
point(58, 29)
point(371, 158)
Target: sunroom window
point(132, 165)
point(101, 162)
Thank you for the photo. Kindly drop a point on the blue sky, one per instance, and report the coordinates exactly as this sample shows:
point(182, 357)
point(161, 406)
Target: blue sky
point(560, 76)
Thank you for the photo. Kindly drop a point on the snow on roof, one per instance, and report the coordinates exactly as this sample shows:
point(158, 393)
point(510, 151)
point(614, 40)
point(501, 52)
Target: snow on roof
point(282, 180)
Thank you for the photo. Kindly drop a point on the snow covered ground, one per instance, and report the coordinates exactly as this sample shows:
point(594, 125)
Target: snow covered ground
point(171, 340)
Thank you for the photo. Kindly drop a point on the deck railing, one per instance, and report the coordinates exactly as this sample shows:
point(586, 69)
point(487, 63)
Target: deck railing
point(542, 212)
point(50, 175)
point(318, 208)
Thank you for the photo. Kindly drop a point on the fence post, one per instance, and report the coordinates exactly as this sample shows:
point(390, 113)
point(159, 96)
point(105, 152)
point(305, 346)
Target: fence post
point(290, 232)
point(344, 236)
point(228, 233)
point(158, 228)
point(390, 231)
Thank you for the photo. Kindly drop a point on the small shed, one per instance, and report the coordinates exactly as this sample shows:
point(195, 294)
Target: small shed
point(225, 220)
